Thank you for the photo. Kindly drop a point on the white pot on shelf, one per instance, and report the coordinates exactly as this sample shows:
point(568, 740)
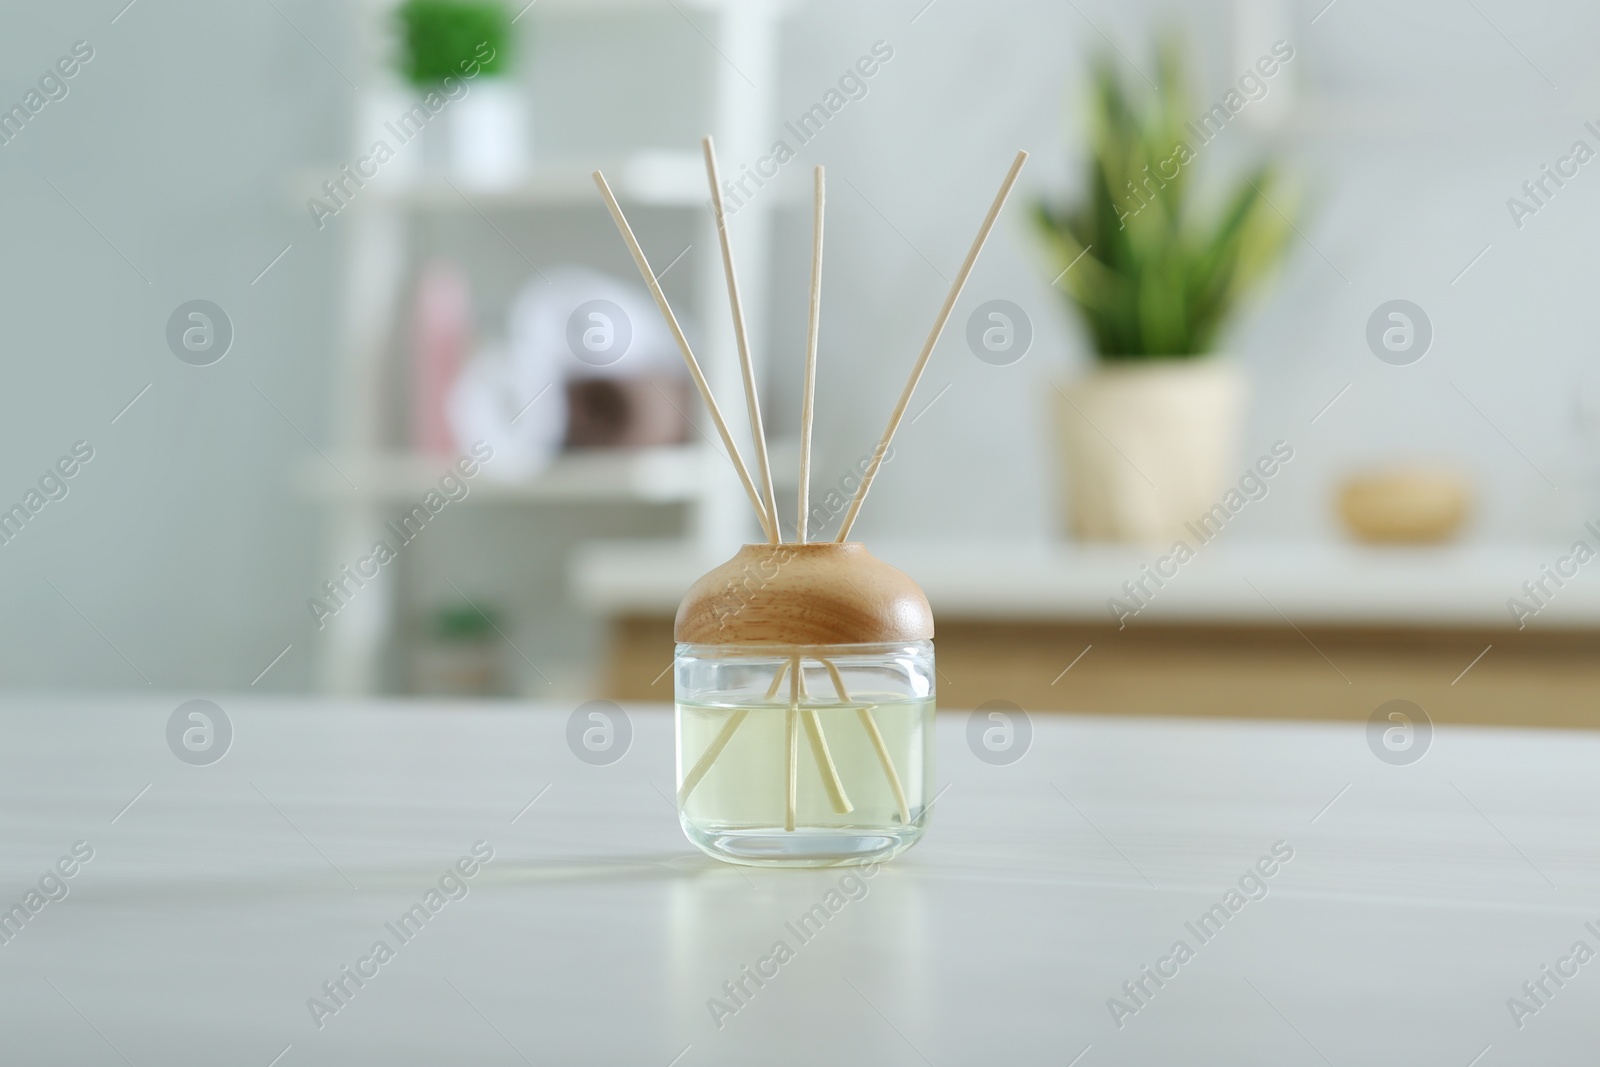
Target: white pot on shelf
point(488, 133)
point(1147, 445)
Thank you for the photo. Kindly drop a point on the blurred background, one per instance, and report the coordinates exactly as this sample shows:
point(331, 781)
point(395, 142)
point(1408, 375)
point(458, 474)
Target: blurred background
point(287, 280)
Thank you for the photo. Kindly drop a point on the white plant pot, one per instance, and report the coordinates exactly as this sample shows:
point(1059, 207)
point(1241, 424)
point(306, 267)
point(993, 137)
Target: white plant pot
point(1147, 446)
point(488, 131)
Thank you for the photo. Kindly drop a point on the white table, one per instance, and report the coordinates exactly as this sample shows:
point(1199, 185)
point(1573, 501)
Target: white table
point(216, 904)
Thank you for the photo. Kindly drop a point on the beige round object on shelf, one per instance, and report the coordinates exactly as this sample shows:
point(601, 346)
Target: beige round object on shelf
point(827, 593)
point(1409, 505)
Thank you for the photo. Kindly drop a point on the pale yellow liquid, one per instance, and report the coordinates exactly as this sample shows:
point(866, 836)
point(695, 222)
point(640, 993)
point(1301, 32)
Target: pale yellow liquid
point(738, 809)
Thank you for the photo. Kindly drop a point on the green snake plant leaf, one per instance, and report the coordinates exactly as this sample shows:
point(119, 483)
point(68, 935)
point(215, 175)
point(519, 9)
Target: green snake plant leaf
point(1149, 272)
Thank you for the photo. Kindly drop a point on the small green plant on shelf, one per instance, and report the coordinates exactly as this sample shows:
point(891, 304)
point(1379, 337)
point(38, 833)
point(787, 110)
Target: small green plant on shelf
point(449, 38)
point(459, 625)
point(1152, 274)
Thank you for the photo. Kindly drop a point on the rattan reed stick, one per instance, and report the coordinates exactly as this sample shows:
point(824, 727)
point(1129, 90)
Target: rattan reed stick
point(871, 726)
point(703, 765)
point(819, 751)
point(688, 354)
point(791, 727)
point(709, 757)
point(927, 347)
point(741, 338)
point(809, 391)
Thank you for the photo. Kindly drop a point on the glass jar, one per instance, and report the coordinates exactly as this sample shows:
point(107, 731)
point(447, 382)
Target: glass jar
point(805, 692)
point(804, 756)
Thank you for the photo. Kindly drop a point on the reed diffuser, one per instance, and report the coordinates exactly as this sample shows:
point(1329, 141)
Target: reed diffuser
point(792, 639)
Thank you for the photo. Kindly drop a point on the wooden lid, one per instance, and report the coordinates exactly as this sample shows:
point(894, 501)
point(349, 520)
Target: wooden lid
point(814, 594)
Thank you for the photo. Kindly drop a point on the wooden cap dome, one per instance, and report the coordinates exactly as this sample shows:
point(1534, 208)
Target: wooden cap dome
point(813, 594)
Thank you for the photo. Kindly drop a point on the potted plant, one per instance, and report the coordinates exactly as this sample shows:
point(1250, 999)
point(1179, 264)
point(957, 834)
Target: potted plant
point(456, 53)
point(1148, 438)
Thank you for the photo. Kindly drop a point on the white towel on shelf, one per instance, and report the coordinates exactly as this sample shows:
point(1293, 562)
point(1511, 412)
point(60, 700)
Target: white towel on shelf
point(572, 323)
point(590, 325)
point(522, 415)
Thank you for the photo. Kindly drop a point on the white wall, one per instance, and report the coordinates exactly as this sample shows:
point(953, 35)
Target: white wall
point(179, 543)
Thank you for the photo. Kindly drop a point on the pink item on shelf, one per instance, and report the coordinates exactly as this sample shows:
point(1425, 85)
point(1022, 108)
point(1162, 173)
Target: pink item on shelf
point(441, 337)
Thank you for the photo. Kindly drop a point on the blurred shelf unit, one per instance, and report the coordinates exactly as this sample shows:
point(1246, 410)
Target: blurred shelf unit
point(363, 480)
